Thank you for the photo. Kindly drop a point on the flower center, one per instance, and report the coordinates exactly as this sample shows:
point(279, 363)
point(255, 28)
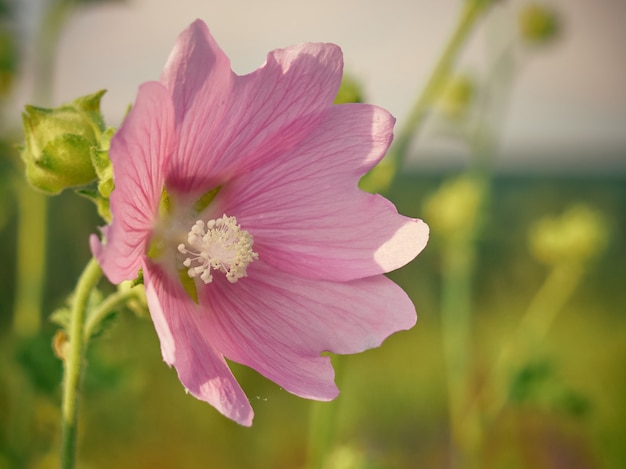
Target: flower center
point(218, 245)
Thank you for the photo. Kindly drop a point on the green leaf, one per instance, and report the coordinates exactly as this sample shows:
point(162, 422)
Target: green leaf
point(61, 317)
point(529, 381)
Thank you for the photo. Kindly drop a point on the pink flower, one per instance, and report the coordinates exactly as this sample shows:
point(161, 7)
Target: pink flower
point(238, 197)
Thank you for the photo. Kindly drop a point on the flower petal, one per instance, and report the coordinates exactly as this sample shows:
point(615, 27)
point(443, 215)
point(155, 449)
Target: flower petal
point(306, 213)
point(229, 124)
point(199, 79)
point(279, 324)
point(139, 152)
point(201, 369)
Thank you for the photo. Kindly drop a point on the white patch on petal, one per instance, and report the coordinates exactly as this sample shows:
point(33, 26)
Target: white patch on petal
point(218, 245)
point(406, 243)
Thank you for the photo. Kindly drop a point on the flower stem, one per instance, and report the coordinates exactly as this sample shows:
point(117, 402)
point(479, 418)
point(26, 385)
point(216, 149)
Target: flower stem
point(551, 298)
point(471, 12)
point(533, 327)
point(73, 361)
point(55, 17)
point(321, 432)
point(323, 425)
point(104, 309)
point(456, 315)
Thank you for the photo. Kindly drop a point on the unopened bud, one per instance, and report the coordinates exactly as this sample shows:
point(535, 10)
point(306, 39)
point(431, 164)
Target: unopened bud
point(576, 236)
point(59, 142)
point(453, 210)
point(456, 97)
point(538, 24)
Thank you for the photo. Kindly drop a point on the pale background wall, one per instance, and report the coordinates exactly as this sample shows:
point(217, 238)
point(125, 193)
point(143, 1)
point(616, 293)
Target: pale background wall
point(569, 103)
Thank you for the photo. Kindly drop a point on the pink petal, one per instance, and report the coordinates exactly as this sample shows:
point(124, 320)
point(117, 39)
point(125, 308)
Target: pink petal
point(229, 124)
point(201, 368)
point(139, 152)
point(279, 324)
point(306, 213)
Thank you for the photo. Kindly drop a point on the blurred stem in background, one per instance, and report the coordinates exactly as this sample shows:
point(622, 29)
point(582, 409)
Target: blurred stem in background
point(33, 206)
point(566, 245)
point(472, 11)
point(459, 222)
point(518, 352)
point(456, 213)
point(323, 426)
point(381, 177)
point(47, 41)
point(458, 259)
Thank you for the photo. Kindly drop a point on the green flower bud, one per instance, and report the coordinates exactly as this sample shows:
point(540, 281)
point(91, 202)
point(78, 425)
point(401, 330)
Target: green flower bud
point(453, 210)
point(59, 142)
point(456, 97)
point(538, 24)
point(575, 237)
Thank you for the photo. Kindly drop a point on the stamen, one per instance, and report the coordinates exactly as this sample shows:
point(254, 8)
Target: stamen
point(219, 245)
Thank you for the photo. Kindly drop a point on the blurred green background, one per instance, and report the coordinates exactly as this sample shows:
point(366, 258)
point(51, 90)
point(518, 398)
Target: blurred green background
point(391, 412)
point(566, 406)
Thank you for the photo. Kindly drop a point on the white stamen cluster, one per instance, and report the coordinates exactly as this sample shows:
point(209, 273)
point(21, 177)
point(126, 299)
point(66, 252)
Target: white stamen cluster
point(219, 245)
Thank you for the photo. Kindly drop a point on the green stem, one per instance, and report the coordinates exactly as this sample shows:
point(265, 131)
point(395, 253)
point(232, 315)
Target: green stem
point(52, 24)
point(321, 429)
point(456, 311)
point(471, 13)
point(74, 360)
point(534, 326)
point(323, 425)
point(550, 299)
point(104, 309)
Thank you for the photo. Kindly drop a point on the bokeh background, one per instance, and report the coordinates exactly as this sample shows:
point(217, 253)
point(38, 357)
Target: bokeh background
point(556, 114)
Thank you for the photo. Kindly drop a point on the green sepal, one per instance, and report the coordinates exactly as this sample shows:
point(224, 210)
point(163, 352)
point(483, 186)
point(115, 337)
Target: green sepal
point(138, 280)
point(91, 105)
point(138, 304)
point(102, 164)
point(189, 284)
point(105, 181)
point(104, 171)
point(204, 201)
point(102, 203)
point(61, 317)
point(165, 206)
